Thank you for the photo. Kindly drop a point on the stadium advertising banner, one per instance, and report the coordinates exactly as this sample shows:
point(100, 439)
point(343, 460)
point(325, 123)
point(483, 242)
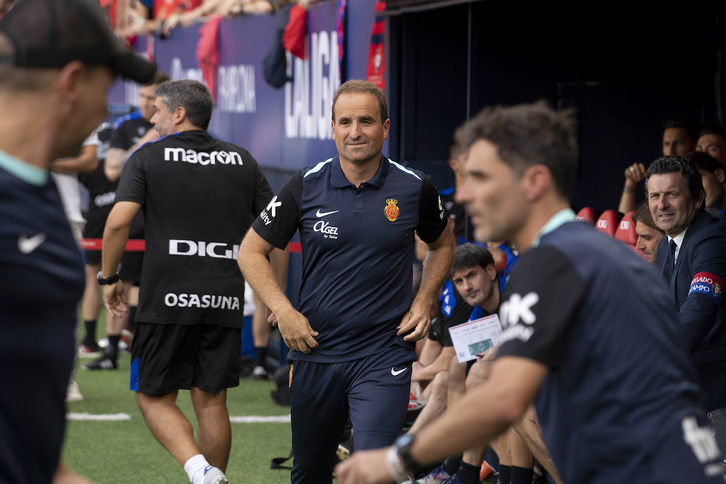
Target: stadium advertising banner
point(284, 128)
point(309, 97)
point(247, 111)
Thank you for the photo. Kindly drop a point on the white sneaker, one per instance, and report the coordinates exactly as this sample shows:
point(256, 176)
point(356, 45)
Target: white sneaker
point(74, 393)
point(213, 475)
point(259, 373)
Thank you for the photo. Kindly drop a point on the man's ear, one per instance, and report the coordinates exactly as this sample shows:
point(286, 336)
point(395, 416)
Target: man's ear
point(720, 175)
point(491, 272)
point(536, 180)
point(179, 115)
point(70, 82)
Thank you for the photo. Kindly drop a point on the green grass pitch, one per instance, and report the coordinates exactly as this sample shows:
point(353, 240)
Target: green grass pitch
point(120, 452)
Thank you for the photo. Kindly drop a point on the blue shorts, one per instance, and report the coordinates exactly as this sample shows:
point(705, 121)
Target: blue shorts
point(374, 390)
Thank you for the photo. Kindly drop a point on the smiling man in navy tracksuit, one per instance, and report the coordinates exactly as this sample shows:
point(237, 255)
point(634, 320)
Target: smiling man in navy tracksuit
point(352, 340)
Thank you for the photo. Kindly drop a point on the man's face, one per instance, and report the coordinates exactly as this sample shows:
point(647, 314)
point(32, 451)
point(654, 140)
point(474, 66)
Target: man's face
point(163, 119)
point(714, 188)
point(475, 284)
point(88, 113)
point(670, 202)
point(492, 193)
point(648, 240)
point(714, 145)
point(146, 101)
point(357, 129)
point(457, 165)
point(676, 142)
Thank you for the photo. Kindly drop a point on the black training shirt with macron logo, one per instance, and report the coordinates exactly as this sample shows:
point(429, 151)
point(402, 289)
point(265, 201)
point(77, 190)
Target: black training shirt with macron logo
point(199, 195)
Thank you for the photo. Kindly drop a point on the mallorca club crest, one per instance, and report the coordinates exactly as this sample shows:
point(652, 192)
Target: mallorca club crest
point(391, 209)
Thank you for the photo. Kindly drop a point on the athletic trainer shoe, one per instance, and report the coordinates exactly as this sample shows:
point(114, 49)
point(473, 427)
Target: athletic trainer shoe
point(92, 351)
point(259, 373)
point(73, 393)
point(124, 347)
point(212, 475)
point(127, 337)
point(105, 362)
point(450, 480)
point(436, 476)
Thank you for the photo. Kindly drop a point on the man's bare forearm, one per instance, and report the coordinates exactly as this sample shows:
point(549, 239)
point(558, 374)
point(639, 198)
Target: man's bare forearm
point(441, 363)
point(465, 425)
point(115, 236)
point(114, 243)
point(257, 271)
point(436, 267)
point(85, 162)
point(279, 261)
point(116, 158)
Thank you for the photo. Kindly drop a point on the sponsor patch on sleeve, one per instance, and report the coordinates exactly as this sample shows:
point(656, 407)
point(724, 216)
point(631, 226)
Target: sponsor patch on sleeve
point(708, 284)
point(448, 299)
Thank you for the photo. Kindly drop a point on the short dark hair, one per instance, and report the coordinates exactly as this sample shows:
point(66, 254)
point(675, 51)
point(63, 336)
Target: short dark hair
point(469, 255)
point(642, 215)
point(356, 86)
point(528, 135)
point(710, 128)
point(703, 161)
point(455, 148)
point(159, 77)
point(191, 95)
point(690, 126)
point(677, 164)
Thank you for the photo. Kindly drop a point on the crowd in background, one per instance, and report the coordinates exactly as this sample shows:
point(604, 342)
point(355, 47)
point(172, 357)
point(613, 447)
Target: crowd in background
point(137, 17)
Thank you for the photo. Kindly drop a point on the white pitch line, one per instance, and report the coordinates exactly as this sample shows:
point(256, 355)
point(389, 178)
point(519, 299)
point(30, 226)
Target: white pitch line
point(125, 416)
point(106, 416)
point(253, 419)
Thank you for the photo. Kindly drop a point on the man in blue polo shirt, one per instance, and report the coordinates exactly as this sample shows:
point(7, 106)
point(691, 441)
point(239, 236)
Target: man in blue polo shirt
point(588, 332)
point(352, 340)
point(58, 58)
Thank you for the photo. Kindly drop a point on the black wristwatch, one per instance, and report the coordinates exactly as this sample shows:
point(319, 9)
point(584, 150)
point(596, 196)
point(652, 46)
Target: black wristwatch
point(109, 281)
point(403, 448)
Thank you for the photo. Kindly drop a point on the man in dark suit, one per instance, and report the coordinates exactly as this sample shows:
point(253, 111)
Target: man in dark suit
point(692, 258)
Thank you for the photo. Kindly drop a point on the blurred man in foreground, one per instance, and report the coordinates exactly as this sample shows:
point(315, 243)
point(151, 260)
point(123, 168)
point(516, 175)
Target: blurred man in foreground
point(588, 334)
point(57, 61)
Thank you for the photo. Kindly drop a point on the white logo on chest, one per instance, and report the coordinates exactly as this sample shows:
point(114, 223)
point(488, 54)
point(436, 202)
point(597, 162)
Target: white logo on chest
point(514, 310)
point(27, 245)
point(326, 229)
point(323, 214)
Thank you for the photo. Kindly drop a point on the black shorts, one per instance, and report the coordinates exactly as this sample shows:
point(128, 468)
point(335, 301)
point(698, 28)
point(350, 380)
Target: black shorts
point(92, 257)
point(169, 357)
point(130, 267)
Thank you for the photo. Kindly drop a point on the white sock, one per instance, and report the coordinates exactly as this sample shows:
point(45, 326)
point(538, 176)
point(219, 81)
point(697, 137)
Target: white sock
point(195, 468)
